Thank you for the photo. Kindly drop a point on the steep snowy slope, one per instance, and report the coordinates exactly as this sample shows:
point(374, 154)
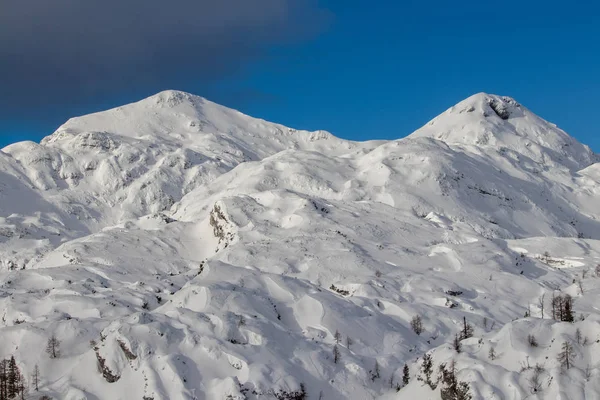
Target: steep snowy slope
point(181, 250)
point(500, 122)
point(98, 170)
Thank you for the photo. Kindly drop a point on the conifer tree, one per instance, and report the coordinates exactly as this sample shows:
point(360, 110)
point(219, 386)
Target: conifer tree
point(338, 337)
point(467, 330)
point(405, 375)
point(12, 383)
point(566, 356)
point(456, 343)
point(53, 347)
point(452, 388)
point(36, 377)
point(3, 379)
point(416, 323)
point(336, 354)
point(427, 371)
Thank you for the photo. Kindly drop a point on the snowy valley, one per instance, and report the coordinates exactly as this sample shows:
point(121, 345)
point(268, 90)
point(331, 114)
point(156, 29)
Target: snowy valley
point(178, 249)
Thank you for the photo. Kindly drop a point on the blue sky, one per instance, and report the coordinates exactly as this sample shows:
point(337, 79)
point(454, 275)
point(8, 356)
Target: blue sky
point(379, 70)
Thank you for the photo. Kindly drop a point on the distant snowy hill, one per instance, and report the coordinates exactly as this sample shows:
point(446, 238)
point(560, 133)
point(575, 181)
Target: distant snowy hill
point(178, 249)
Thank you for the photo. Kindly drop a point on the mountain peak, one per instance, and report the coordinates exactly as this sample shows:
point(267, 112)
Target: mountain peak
point(167, 114)
point(503, 107)
point(183, 119)
point(172, 98)
point(488, 120)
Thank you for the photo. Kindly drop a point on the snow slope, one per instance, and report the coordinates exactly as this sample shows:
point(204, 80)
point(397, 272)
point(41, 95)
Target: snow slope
point(182, 250)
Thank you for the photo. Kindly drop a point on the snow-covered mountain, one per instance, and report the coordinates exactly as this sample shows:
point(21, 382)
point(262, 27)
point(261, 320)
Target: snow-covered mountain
point(178, 249)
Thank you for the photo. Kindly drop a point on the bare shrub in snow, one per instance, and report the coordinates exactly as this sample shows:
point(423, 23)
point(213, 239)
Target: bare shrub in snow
point(341, 291)
point(587, 372)
point(376, 372)
point(541, 303)
point(532, 340)
point(535, 381)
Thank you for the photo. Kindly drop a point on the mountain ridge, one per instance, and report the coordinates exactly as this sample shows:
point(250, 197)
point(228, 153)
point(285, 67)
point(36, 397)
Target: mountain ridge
point(210, 255)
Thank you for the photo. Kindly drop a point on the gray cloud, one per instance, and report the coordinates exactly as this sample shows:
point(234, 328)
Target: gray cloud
point(58, 52)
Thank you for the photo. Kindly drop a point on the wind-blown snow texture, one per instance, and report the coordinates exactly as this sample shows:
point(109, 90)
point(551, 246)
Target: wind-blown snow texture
point(211, 255)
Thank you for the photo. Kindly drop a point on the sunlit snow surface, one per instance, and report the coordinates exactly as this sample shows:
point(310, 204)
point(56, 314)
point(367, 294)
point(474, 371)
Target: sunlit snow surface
point(197, 247)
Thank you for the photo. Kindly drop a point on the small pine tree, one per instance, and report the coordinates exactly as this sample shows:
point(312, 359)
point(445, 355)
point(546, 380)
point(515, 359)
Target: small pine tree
point(578, 336)
point(427, 371)
point(53, 347)
point(566, 356)
point(416, 324)
point(336, 354)
point(349, 342)
point(22, 385)
point(36, 377)
point(452, 389)
point(3, 379)
point(456, 343)
point(568, 315)
point(405, 375)
point(467, 330)
point(337, 336)
point(492, 354)
point(12, 383)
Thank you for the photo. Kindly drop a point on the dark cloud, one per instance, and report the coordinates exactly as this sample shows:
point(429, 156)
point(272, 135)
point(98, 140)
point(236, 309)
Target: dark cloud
point(58, 52)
